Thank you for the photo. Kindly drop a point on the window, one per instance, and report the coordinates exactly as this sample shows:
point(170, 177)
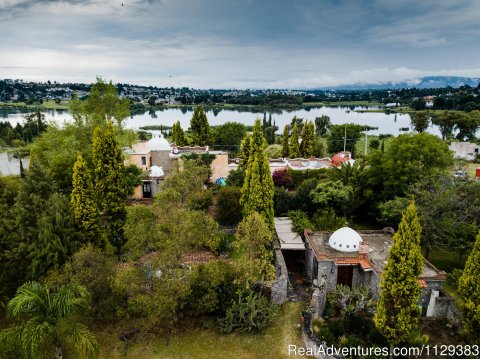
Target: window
point(144, 161)
point(354, 246)
point(340, 245)
point(348, 245)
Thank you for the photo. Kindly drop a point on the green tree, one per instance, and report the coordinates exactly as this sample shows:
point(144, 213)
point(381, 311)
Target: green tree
point(336, 137)
point(408, 159)
point(467, 125)
point(397, 310)
point(178, 136)
point(469, 289)
point(332, 194)
point(57, 238)
point(110, 184)
point(58, 147)
point(322, 125)
point(254, 241)
point(308, 145)
point(229, 136)
point(101, 106)
point(274, 151)
point(420, 120)
point(201, 134)
point(245, 150)
point(446, 122)
point(285, 144)
point(48, 323)
point(294, 147)
point(257, 190)
point(83, 204)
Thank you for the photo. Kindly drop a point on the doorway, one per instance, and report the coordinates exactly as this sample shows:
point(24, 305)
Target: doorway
point(345, 275)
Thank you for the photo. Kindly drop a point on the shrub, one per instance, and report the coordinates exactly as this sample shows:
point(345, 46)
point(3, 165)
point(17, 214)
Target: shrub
point(282, 201)
point(322, 331)
point(212, 287)
point(236, 177)
point(282, 178)
point(225, 243)
point(302, 196)
point(351, 341)
point(229, 210)
point(328, 220)
point(336, 327)
point(453, 277)
point(200, 200)
point(248, 313)
point(298, 177)
point(300, 221)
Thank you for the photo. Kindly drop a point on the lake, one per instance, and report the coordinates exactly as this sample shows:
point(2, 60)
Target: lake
point(386, 123)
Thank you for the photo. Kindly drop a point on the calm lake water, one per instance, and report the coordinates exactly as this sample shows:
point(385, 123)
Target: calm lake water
point(386, 123)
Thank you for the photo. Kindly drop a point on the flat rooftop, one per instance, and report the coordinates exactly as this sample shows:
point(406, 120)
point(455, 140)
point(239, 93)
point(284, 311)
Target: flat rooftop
point(379, 243)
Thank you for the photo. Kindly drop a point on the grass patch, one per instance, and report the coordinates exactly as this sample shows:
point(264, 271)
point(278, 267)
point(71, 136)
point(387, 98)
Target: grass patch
point(46, 105)
point(206, 343)
point(446, 260)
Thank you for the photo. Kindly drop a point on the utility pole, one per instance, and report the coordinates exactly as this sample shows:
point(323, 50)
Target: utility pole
point(345, 140)
point(366, 143)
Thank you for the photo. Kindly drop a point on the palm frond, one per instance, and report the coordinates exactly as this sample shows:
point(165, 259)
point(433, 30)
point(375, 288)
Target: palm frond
point(80, 338)
point(11, 342)
point(31, 298)
point(70, 299)
point(36, 337)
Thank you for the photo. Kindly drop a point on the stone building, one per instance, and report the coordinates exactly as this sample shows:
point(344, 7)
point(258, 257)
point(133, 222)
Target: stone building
point(157, 157)
point(355, 258)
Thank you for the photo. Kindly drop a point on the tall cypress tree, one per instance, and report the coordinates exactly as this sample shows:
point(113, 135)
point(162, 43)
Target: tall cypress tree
point(397, 310)
point(294, 148)
point(178, 135)
point(469, 289)
point(57, 237)
point(83, 204)
point(245, 150)
point(285, 144)
point(308, 145)
point(257, 190)
point(201, 134)
point(110, 184)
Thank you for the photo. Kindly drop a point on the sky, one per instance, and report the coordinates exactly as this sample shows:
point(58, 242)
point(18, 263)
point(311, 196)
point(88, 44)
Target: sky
point(239, 43)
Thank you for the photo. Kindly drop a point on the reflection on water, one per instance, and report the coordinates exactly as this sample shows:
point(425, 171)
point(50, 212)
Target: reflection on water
point(386, 123)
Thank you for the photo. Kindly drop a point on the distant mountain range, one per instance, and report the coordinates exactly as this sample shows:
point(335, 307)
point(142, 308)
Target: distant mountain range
point(421, 83)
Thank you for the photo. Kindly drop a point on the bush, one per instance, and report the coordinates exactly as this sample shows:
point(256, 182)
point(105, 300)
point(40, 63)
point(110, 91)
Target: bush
point(229, 210)
point(200, 200)
point(298, 177)
point(300, 221)
point(212, 287)
point(453, 277)
point(248, 313)
point(351, 341)
point(236, 177)
point(225, 244)
point(336, 327)
point(322, 331)
point(302, 196)
point(328, 220)
point(282, 178)
point(282, 201)
point(358, 325)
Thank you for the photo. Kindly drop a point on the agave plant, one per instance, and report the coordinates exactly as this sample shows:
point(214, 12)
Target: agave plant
point(47, 324)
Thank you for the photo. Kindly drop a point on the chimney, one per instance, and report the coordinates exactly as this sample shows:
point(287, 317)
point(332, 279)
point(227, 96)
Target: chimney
point(364, 248)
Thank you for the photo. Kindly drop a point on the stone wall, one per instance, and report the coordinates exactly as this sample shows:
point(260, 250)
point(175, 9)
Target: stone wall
point(310, 340)
point(445, 308)
point(280, 285)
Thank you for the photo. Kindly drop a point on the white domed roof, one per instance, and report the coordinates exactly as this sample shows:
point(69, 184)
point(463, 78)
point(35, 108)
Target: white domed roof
point(156, 171)
point(158, 143)
point(345, 239)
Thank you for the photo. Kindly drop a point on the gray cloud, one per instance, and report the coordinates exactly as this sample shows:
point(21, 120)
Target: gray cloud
point(215, 43)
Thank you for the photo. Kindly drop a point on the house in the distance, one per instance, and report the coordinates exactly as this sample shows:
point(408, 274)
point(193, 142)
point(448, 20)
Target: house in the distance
point(156, 158)
point(465, 150)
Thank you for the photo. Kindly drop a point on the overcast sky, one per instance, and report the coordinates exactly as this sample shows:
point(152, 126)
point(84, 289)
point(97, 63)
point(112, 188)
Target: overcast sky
point(238, 43)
